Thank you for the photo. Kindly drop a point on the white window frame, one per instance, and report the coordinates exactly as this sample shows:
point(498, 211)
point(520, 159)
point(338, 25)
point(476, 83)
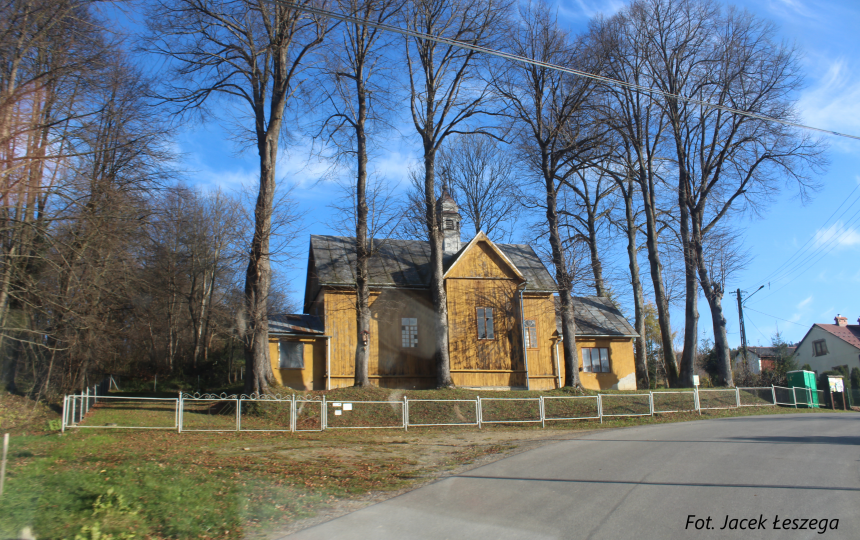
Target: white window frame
point(284, 361)
point(486, 327)
point(408, 332)
point(531, 333)
point(603, 363)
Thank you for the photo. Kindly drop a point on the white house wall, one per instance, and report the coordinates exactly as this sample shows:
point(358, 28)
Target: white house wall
point(839, 353)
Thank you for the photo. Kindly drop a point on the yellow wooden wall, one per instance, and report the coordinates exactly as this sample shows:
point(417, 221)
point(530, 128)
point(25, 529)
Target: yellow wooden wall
point(312, 377)
point(481, 278)
point(543, 372)
point(621, 362)
point(391, 366)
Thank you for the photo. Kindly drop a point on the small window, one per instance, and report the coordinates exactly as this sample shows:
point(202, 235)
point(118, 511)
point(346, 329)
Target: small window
point(819, 348)
point(531, 334)
point(485, 323)
point(409, 332)
point(292, 355)
point(595, 360)
point(449, 224)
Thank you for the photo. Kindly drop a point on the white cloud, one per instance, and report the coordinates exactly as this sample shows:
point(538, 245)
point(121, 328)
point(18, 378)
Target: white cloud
point(804, 303)
point(833, 101)
point(827, 312)
point(588, 9)
point(798, 8)
point(837, 235)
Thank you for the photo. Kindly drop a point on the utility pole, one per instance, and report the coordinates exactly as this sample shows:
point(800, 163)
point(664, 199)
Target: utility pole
point(743, 330)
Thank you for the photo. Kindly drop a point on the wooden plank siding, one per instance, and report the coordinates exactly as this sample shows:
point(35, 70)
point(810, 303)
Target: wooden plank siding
point(543, 371)
point(312, 377)
point(391, 365)
point(482, 279)
point(621, 363)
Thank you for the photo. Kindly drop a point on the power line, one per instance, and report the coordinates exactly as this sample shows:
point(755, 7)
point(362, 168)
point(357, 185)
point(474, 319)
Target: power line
point(775, 317)
point(538, 63)
point(806, 246)
point(805, 263)
point(832, 244)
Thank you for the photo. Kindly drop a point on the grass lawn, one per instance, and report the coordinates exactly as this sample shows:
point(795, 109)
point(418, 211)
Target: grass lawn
point(124, 484)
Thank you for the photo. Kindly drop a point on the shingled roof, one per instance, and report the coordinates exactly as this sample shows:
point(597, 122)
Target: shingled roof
point(596, 316)
point(406, 263)
point(295, 324)
point(849, 334)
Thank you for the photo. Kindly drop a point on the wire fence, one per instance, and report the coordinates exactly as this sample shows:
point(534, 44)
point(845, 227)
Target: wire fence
point(294, 413)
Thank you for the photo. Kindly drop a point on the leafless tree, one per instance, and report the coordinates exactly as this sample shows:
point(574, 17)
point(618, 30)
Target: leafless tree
point(556, 129)
point(479, 173)
point(594, 192)
point(641, 126)
point(724, 161)
point(355, 81)
point(622, 170)
point(447, 96)
point(252, 51)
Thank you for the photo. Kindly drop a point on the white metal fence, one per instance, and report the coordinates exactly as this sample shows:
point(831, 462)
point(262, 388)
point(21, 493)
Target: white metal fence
point(292, 413)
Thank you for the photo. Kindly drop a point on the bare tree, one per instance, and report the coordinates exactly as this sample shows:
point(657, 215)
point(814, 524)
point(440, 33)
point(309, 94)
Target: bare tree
point(253, 51)
point(622, 170)
point(480, 176)
point(356, 79)
point(723, 160)
point(446, 94)
point(641, 126)
point(594, 191)
point(557, 132)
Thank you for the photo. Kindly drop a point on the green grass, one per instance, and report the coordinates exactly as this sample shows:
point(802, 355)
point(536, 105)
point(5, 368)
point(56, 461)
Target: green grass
point(161, 484)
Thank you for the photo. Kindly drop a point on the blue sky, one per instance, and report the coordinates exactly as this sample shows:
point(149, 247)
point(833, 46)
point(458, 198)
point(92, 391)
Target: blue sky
point(822, 281)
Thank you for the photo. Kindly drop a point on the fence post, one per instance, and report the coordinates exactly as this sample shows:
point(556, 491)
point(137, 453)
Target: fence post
point(405, 413)
point(179, 412)
point(794, 395)
point(88, 402)
point(542, 415)
point(480, 411)
point(600, 407)
point(773, 392)
point(73, 410)
point(63, 419)
point(650, 403)
point(738, 396)
point(324, 423)
point(696, 399)
point(238, 414)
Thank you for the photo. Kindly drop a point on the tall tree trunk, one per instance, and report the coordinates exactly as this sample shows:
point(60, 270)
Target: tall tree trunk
point(596, 265)
point(362, 252)
point(641, 358)
point(565, 284)
point(656, 267)
point(437, 284)
point(714, 294)
point(691, 283)
point(258, 277)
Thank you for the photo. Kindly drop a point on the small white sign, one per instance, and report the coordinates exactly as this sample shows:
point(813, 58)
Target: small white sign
point(836, 385)
point(335, 404)
point(695, 380)
point(347, 406)
point(338, 412)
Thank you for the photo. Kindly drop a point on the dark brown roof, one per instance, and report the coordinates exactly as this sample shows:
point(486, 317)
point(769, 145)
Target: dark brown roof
point(295, 324)
point(849, 334)
point(406, 263)
point(596, 316)
point(768, 352)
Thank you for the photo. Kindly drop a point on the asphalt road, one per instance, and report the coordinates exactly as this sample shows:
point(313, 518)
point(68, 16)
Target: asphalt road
point(642, 482)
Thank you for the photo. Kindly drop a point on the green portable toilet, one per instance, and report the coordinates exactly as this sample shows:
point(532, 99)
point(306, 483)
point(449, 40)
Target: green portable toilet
point(804, 379)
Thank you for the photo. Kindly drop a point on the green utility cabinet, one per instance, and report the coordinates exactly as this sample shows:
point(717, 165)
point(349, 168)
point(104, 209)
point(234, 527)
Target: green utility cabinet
point(804, 379)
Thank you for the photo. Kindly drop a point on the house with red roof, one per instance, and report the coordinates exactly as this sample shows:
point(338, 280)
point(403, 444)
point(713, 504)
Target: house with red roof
point(827, 346)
